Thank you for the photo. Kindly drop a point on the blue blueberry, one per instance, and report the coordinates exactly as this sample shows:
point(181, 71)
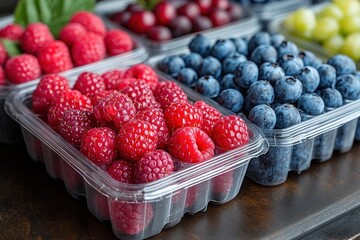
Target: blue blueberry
point(227, 81)
point(232, 99)
point(230, 63)
point(301, 156)
point(343, 64)
point(263, 116)
point(258, 39)
point(287, 115)
point(246, 73)
point(311, 103)
point(349, 86)
point(188, 76)
point(240, 45)
point(222, 48)
point(201, 45)
point(208, 86)
point(288, 89)
point(291, 64)
point(309, 77)
point(287, 48)
point(171, 65)
point(277, 39)
point(332, 98)
point(247, 105)
point(309, 58)
point(193, 60)
point(271, 72)
point(345, 136)
point(357, 74)
point(210, 66)
point(263, 53)
point(327, 75)
point(261, 92)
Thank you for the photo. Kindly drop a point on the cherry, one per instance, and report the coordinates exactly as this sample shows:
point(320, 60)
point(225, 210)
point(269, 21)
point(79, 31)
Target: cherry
point(220, 4)
point(164, 13)
point(235, 11)
point(180, 25)
point(201, 23)
point(159, 33)
point(121, 18)
point(204, 6)
point(219, 17)
point(190, 10)
point(140, 22)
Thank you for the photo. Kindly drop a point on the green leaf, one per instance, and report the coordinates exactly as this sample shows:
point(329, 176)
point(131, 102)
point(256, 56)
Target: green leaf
point(12, 47)
point(148, 4)
point(54, 13)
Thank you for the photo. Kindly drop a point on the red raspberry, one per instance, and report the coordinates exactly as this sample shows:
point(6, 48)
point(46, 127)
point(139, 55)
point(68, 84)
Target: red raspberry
point(35, 36)
point(155, 116)
point(130, 218)
point(118, 42)
point(48, 87)
point(144, 102)
point(90, 22)
point(124, 82)
point(165, 86)
point(22, 68)
point(3, 54)
point(55, 57)
point(98, 145)
point(152, 166)
point(166, 96)
point(230, 132)
point(74, 123)
point(135, 139)
point(69, 99)
point(222, 184)
point(190, 144)
point(12, 31)
point(182, 114)
point(100, 95)
point(210, 116)
point(112, 78)
point(116, 108)
point(70, 32)
point(144, 72)
point(88, 49)
point(2, 77)
point(122, 171)
point(89, 84)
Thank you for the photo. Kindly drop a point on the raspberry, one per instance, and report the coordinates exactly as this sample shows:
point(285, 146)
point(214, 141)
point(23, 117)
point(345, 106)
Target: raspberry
point(74, 123)
point(89, 84)
point(131, 218)
point(22, 68)
point(69, 99)
point(182, 114)
point(87, 49)
point(230, 132)
point(2, 77)
point(95, 99)
point(55, 57)
point(35, 36)
point(210, 116)
point(12, 31)
point(70, 32)
point(144, 102)
point(124, 82)
point(90, 22)
point(117, 42)
point(144, 72)
point(166, 96)
point(122, 171)
point(222, 184)
point(112, 78)
point(98, 145)
point(3, 54)
point(135, 139)
point(116, 108)
point(49, 86)
point(141, 95)
point(190, 144)
point(155, 116)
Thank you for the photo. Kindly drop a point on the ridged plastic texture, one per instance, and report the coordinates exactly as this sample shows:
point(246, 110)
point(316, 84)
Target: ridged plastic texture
point(156, 205)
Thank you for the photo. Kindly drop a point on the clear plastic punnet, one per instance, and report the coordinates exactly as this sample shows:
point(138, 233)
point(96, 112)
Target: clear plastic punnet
point(248, 23)
point(156, 205)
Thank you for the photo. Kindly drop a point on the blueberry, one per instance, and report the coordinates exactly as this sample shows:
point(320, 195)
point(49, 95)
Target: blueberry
point(277, 39)
point(230, 63)
point(342, 64)
point(291, 64)
point(345, 136)
point(246, 73)
point(258, 39)
point(357, 74)
point(349, 86)
point(309, 59)
point(210, 66)
point(263, 53)
point(193, 60)
point(263, 116)
point(232, 99)
point(187, 76)
point(240, 45)
point(287, 115)
point(311, 103)
point(271, 72)
point(287, 48)
point(288, 89)
point(208, 86)
point(247, 105)
point(309, 77)
point(321, 150)
point(171, 65)
point(332, 98)
point(261, 92)
point(301, 156)
point(327, 75)
point(222, 48)
point(227, 81)
point(201, 45)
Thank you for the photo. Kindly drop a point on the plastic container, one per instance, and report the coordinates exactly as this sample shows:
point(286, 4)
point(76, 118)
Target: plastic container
point(10, 131)
point(241, 26)
point(155, 205)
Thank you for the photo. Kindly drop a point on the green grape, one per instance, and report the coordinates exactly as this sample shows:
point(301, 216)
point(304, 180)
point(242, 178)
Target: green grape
point(351, 46)
point(289, 23)
point(350, 24)
point(304, 21)
point(348, 7)
point(331, 10)
point(326, 27)
point(333, 44)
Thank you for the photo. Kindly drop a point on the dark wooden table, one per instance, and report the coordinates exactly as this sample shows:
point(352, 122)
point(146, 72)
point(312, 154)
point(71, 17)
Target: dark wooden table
point(321, 203)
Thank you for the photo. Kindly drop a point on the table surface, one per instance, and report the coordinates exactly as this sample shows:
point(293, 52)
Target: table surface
point(321, 203)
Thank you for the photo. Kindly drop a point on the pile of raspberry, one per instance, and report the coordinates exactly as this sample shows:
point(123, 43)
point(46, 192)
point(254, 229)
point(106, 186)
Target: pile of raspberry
point(135, 127)
point(83, 40)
